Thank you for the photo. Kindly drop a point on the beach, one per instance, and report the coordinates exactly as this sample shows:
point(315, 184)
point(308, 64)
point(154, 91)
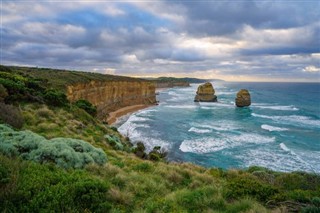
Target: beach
point(113, 116)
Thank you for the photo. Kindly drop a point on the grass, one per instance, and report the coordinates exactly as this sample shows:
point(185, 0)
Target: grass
point(57, 79)
point(127, 183)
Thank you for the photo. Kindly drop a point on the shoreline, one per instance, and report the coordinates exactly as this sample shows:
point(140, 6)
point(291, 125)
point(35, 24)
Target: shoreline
point(113, 116)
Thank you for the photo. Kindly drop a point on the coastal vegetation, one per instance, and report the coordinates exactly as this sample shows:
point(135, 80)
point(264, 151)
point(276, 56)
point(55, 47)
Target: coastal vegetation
point(56, 156)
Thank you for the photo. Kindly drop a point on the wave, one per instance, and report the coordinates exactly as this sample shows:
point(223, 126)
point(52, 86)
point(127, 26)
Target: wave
point(209, 144)
point(225, 93)
point(196, 130)
point(215, 104)
point(291, 119)
point(131, 129)
point(223, 125)
point(181, 106)
point(273, 128)
point(284, 147)
point(281, 108)
point(277, 160)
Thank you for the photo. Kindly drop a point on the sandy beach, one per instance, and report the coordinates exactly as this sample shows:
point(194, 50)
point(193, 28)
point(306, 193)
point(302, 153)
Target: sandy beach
point(113, 116)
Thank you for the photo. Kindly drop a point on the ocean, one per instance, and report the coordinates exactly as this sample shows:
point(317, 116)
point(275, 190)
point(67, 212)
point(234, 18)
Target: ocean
point(280, 130)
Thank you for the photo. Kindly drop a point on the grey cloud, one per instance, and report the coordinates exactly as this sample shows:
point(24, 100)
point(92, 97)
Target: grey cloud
point(205, 18)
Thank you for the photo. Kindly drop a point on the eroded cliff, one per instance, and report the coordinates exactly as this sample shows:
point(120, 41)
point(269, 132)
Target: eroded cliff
point(109, 96)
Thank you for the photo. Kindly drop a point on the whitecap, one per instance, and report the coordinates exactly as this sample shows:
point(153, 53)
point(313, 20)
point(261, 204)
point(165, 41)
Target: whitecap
point(273, 128)
point(281, 108)
point(215, 104)
point(224, 141)
point(203, 145)
point(284, 147)
point(197, 130)
point(283, 160)
point(224, 93)
point(181, 106)
point(291, 119)
point(223, 125)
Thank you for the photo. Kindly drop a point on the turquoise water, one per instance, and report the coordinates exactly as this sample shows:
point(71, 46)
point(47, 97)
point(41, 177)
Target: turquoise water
point(280, 130)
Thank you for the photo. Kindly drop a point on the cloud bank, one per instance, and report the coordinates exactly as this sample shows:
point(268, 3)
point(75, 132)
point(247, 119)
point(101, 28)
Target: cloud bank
point(231, 40)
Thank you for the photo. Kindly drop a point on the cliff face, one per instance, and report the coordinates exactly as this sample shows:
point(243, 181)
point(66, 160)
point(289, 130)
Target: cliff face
point(109, 96)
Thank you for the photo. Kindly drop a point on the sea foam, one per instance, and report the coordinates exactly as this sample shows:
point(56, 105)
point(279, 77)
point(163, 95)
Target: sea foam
point(197, 130)
point(273, 128)
point(291, 119)
point(224, 141)
point(272, 107)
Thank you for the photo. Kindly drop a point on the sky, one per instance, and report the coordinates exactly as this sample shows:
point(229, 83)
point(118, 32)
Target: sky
point(239, 40)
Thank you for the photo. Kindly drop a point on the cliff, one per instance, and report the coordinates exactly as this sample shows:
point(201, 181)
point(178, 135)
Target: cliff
point(171, 84)
point(112, 95)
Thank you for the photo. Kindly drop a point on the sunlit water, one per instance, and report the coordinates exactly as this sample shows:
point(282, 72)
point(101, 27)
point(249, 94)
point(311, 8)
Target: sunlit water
point(280, 130)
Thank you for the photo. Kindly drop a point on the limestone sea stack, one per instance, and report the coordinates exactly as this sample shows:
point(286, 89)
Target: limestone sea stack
point(243, 98)
point(205, 93)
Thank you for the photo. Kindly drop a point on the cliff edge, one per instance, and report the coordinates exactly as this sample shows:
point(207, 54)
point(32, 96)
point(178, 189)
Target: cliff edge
point(113, 95)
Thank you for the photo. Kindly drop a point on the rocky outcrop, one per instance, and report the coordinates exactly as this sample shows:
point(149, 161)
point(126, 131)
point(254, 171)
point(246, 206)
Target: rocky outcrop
point(109, 96)
point(243, 98)
point(205, 93)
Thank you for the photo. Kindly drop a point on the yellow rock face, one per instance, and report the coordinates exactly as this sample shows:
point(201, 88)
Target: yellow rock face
point(243, 98)
point(205, 93)
point(109, 96)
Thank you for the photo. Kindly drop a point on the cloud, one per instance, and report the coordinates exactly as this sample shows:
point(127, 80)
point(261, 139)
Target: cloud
point(255, 39)
point(311, 69)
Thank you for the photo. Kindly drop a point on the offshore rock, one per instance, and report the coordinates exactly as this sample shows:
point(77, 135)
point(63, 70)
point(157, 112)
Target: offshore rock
point(205, 93)
point(243, 98)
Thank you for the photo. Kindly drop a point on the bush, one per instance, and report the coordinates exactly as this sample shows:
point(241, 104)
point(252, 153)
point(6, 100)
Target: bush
point(90, 194)
point(3, 93)
point(55, 98)
point(140, 150)
point(114, 141)
point(87, 106)
point(64, 152)
point(157, 154)
point(242, 186)
point(11, 115)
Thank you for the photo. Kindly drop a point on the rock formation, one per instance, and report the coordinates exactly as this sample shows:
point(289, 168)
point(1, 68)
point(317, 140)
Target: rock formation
point(243, 98)
point(205, 93)
point(109, 96)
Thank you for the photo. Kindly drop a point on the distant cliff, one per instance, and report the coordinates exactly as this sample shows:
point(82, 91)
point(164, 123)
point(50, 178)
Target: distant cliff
point(167, 82)
point(110, 96)
point(171, 84)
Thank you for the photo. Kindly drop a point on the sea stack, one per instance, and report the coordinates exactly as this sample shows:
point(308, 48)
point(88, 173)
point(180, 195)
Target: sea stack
point(243, 98)
point(205, 93)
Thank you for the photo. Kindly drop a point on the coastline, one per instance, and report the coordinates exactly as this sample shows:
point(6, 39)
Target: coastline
point(113, 116)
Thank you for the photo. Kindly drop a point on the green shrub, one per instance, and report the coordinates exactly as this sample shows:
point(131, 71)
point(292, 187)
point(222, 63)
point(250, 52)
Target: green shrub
point(139, 150)
point(243, 186)
point(3, 93)
point(91, 194)
point(11, 115)
point(64, 152)
point(298, 180)
point(87, 106)
point(114, 141)
point(55, 98)
point(157, 154)
point(143, 167)
point(200, 199)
